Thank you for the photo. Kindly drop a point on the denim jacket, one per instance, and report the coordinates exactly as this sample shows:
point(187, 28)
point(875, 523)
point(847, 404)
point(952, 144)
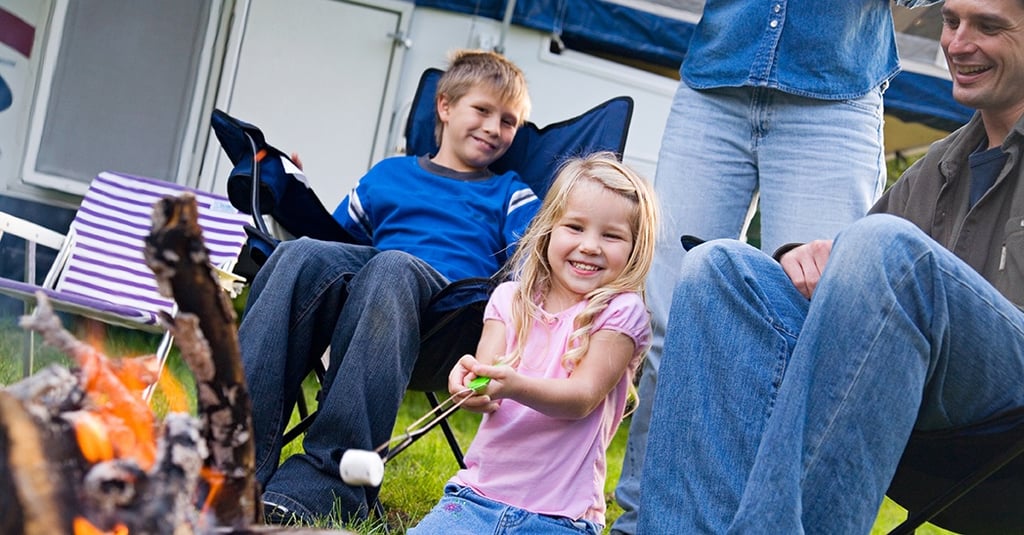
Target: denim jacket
point(989, 236)
point(825, 49)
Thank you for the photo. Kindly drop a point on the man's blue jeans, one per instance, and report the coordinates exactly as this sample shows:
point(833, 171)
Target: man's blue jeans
point(721, 149)
point(366, 305)
point(778, 414)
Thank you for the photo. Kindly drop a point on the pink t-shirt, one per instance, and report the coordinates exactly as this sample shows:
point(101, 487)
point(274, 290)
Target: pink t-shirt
point(547, 465)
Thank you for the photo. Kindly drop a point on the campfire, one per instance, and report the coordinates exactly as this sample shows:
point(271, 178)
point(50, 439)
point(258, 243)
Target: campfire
point(82, 453)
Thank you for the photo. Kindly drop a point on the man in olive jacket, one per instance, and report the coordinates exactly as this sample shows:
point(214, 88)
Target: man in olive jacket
point(788, 390)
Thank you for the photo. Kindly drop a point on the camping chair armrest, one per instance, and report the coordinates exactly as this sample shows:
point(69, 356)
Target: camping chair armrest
point(228, 281)
point(30, 231)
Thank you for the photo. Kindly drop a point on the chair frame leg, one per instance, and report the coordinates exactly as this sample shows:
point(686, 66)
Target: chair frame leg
point(954, 493)
point(29, 344)
point(449, 435)
point(163, 351)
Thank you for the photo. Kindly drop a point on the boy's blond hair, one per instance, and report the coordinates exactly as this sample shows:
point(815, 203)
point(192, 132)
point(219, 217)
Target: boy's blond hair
point(471, 68)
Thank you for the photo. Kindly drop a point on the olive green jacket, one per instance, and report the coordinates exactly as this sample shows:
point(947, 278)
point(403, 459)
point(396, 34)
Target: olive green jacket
point(989, 236)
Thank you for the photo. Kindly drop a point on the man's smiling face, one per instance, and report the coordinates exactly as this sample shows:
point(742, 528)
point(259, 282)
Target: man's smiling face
point(983, 41)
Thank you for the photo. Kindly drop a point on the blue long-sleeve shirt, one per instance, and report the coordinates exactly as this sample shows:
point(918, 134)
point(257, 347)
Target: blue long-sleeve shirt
point(463, 224)
point(825, 49)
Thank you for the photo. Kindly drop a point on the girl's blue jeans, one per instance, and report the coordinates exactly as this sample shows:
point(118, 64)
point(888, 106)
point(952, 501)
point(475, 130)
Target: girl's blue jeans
point(775, 414)
point(462, 511)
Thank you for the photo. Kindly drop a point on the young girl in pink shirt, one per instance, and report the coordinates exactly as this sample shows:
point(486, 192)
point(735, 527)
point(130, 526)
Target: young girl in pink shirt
point(560, 345)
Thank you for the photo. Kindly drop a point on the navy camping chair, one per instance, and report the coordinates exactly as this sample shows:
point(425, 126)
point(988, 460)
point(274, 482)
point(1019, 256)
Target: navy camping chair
point(284, 194)
point(536, 152)
point(967, 481)
point(454, 320)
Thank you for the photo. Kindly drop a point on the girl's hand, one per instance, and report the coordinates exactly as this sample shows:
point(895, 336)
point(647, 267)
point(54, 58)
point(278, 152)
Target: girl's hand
point(501, 379)
point(458, 383)
point(457, 378)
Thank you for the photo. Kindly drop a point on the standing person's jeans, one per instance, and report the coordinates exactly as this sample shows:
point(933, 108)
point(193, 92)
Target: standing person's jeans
point(778, 414)
point(721, 149)
point(366, 305)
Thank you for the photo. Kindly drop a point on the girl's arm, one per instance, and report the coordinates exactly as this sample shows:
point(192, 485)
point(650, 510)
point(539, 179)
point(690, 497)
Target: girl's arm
point(490, 348)
point(574, 397)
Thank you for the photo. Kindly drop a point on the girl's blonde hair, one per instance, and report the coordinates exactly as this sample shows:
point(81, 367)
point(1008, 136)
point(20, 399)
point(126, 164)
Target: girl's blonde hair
point(492, 71)
point(530, 261)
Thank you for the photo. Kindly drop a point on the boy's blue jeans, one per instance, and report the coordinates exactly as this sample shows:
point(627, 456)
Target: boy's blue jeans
point(778, 414)
point(366, 305)
point(462, 511)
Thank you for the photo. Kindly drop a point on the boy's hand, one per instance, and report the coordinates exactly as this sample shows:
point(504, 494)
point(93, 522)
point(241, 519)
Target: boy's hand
point(458, 381)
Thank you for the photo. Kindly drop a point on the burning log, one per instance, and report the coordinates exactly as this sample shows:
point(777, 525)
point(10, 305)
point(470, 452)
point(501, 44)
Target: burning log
point(79, 450)
point(82, 453)
point(33, 502)
point(205, 332)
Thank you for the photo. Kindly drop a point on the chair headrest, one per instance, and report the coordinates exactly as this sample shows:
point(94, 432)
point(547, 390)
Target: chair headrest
point(536, 153)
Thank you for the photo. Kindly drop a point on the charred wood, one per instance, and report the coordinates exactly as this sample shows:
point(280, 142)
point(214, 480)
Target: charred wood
point(205, 331)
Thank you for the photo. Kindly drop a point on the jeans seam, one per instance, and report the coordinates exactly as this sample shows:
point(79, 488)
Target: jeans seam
point(308, 307)
point(812, 457)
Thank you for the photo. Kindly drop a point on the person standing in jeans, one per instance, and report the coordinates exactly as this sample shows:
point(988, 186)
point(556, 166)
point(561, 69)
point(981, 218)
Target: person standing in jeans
point(767, 86)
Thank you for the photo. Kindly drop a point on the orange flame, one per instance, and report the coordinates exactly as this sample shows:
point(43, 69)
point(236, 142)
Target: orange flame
point(216, 482)
point(90, 431)
point(114, 391)
point(174, 393)
point(81, 526)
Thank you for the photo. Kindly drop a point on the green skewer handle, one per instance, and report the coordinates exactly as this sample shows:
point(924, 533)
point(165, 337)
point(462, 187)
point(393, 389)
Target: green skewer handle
point(476, 384)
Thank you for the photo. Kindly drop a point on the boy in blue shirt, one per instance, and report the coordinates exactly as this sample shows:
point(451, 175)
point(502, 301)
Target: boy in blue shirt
point(420, 222)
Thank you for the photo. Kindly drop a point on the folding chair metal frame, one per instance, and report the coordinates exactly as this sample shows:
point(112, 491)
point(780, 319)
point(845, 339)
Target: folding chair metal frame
point(99, 271)
point(968, 481)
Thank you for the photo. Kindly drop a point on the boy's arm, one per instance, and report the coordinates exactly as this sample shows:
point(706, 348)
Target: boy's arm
point(351, 214)
point(916, 3)
point(522, 206)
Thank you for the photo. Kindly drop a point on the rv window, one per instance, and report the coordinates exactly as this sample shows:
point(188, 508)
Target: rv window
point(120, 87)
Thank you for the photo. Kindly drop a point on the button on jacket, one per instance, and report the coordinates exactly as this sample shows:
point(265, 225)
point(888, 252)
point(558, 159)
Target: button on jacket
point(825, 49)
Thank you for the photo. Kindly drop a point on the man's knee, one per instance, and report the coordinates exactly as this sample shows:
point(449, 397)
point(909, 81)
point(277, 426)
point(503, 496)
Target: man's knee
point(710, 257)
point(397, 273)
point(301, 247)
point(879, 236)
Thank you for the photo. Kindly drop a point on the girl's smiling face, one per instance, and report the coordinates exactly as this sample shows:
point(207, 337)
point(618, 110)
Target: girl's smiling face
point(589, 245)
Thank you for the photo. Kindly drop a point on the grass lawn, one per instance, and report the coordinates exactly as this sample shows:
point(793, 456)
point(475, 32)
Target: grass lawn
point(414, 480)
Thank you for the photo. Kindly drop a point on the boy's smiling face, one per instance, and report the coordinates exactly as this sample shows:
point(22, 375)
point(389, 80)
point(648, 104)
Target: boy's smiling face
point(478, 129)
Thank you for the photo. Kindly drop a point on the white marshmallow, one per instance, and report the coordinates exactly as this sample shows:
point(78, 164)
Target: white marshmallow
point(361, 468)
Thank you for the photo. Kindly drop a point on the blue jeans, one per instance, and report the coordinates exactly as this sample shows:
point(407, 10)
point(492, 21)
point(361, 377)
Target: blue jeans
point(721, 150)
point(367, 306)
point(463, 511)
point(778, 414)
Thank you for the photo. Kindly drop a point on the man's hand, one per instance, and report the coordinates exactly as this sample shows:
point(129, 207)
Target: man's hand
point(805, 263)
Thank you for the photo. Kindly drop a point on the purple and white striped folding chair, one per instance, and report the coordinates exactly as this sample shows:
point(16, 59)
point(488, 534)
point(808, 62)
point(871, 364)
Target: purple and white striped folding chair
point(100, 272)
